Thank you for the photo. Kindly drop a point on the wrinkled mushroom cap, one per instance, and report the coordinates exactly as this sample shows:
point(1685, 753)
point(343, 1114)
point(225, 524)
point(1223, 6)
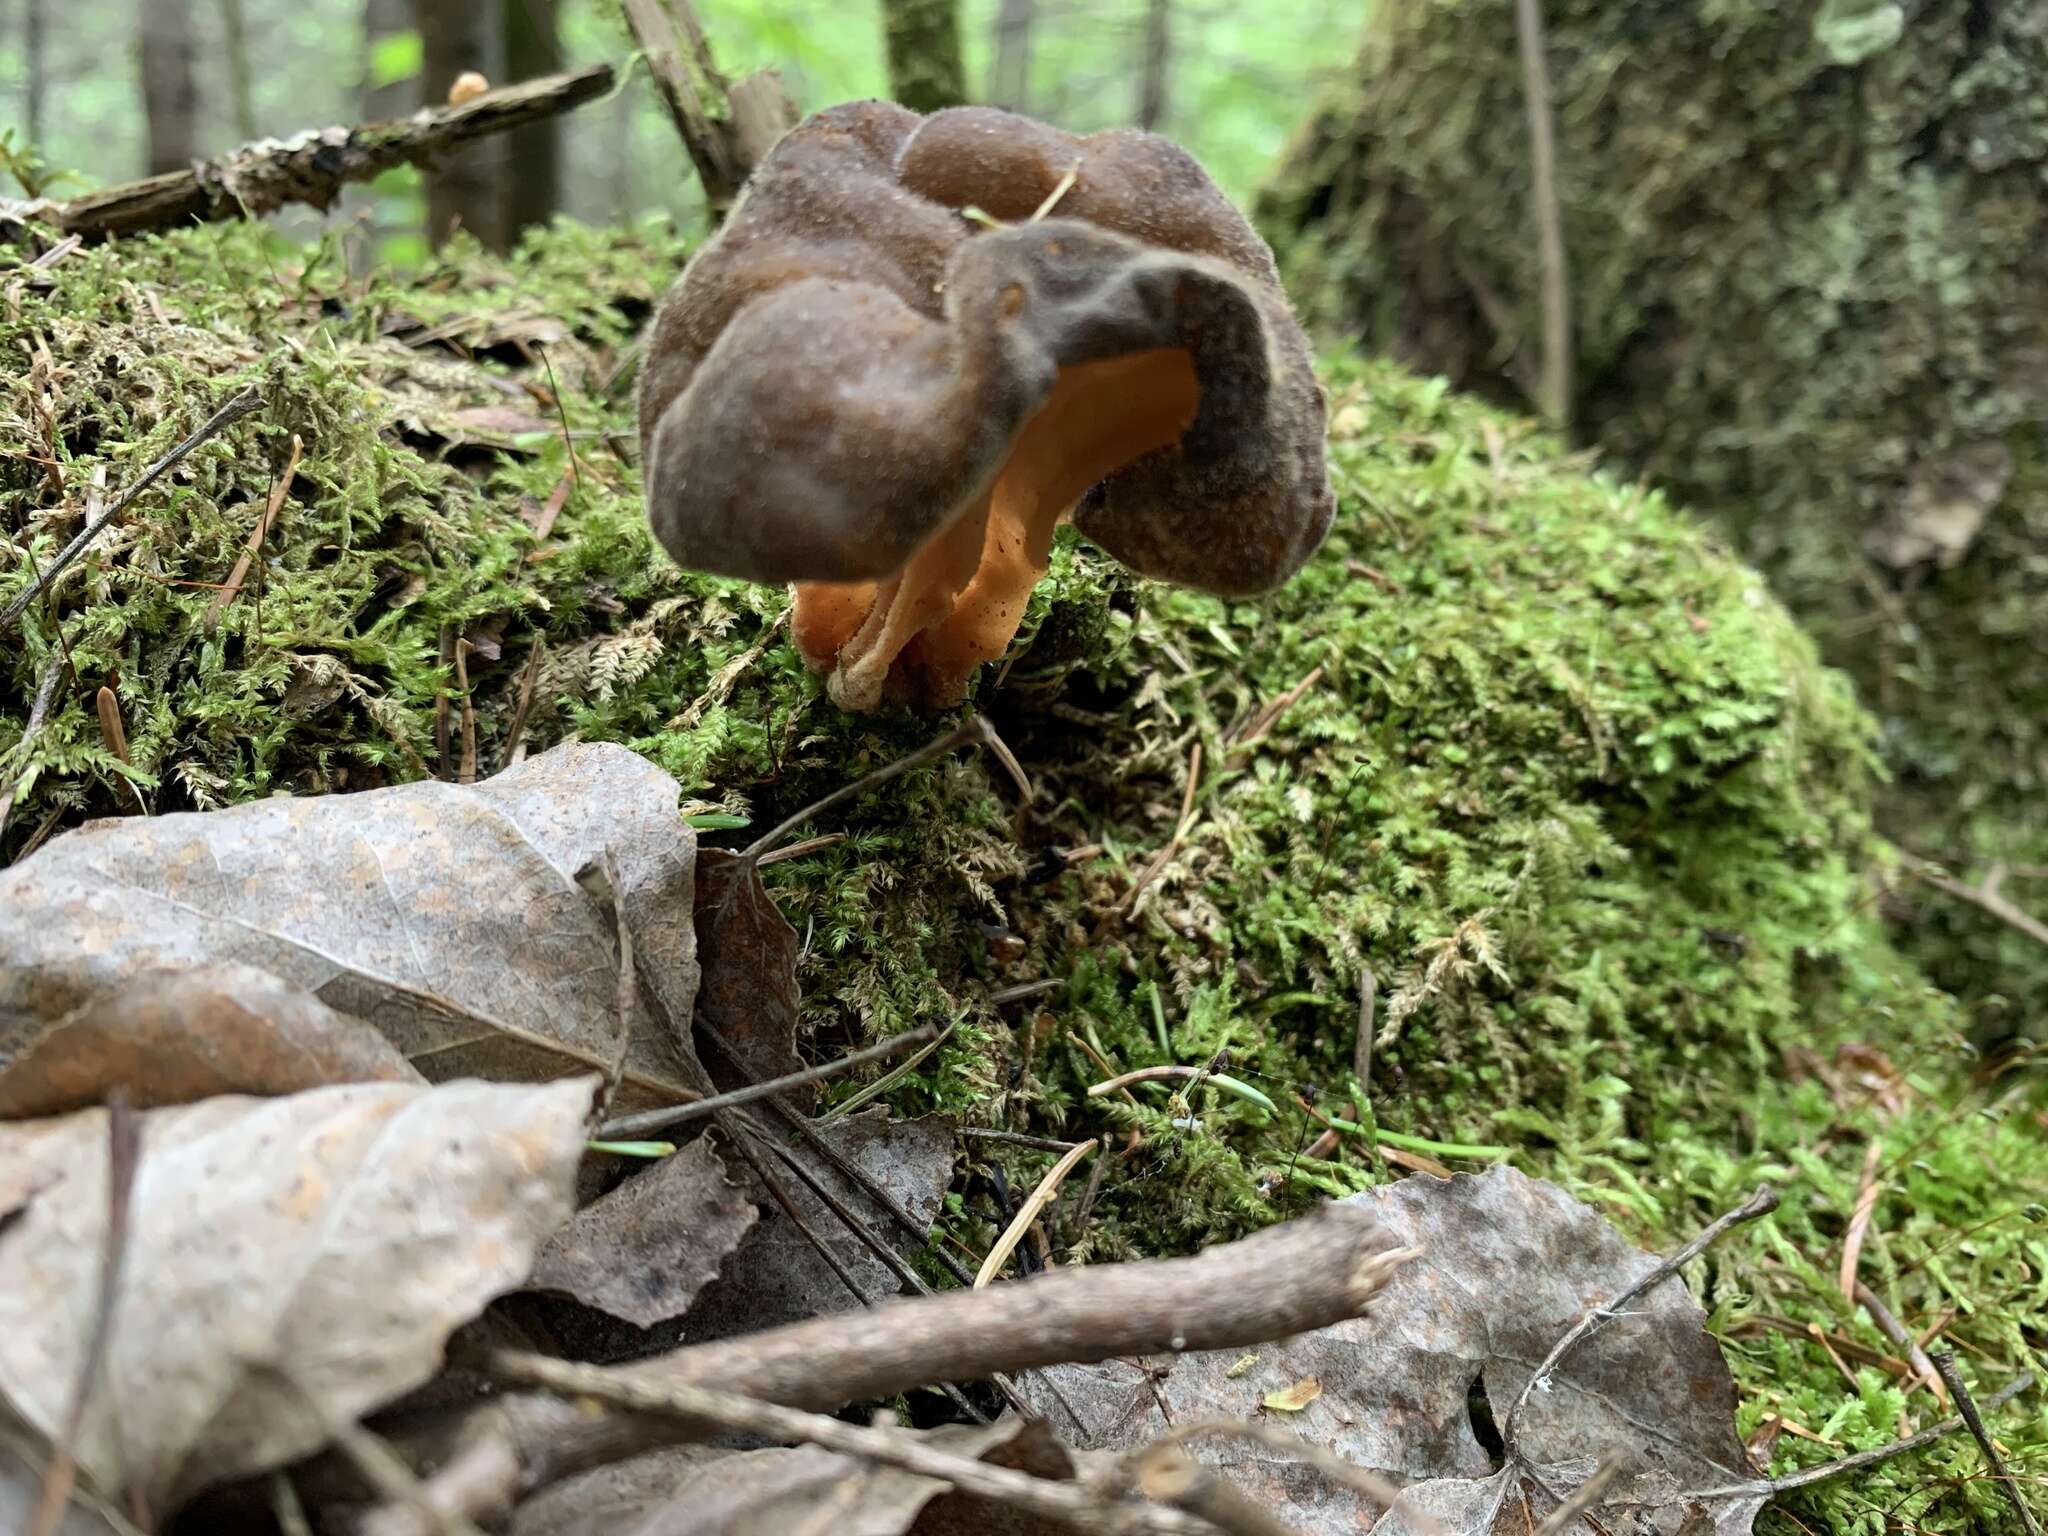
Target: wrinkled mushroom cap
point(856, 389)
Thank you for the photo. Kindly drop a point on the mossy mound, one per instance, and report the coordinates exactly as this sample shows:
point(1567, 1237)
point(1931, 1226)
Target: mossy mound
point(1807, 295)
point(1552, 766)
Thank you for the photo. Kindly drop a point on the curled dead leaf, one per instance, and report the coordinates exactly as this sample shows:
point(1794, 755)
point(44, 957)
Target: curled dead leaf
point(294, 1263)
point(642, 1252)
point(447, 916)
point(175, 1037)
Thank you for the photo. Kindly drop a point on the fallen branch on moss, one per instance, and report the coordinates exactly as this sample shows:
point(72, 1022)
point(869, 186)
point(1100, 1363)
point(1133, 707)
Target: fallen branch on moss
point(1294, 1278)
point(702, 1411)
point(310, 167)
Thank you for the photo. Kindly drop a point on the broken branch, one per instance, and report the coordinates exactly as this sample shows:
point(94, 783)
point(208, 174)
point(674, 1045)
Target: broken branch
point(699, 1410)
point(1289, 1279)
point(310, 167)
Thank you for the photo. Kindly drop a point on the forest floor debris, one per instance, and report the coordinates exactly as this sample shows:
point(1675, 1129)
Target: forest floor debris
point(1568, 784)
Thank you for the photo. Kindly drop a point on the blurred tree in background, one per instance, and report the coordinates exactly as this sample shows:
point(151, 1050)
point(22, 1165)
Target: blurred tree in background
point(926, 72)
point(1809, 290)
point(170, 95)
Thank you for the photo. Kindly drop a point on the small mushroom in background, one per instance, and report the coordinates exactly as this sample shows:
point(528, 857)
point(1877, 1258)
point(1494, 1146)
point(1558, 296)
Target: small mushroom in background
point(919, 343)
point(467, 87)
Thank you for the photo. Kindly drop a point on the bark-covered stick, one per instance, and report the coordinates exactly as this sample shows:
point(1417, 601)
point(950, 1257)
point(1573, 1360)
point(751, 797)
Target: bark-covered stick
point(1289, 1279)
point(310, 167)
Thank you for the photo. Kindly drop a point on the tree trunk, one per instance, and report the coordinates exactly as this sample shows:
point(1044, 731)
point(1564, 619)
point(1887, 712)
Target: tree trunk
point(170, 99)
point(1152, 77)
point(1817, 310)
point(234, 26)
point(32, 49)
point(384, 19)
point(465, 191)
point(925, 71)
point(533, 47)
point(1010, 80)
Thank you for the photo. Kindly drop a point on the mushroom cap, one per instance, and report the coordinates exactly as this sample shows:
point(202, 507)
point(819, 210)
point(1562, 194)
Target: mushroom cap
point(841, 372)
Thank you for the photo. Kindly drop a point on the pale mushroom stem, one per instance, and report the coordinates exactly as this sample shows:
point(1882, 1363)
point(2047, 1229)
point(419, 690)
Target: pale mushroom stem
point(959, 601)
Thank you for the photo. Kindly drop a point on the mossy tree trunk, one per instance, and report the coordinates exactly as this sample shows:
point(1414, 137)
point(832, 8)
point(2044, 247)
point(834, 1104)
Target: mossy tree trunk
point(923, 40)
point(1807, 291)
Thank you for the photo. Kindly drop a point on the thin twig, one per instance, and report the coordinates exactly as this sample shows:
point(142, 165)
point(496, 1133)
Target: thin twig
point(799, 848)
point(1907, 1345)
point(1770, 1487)
point(1017, 1139)
point(1945, 1362)
point(124, 1156)
point(1859, 1221)
point(515, 736)
point(625, 993)
point(1557, 320)
point(1361, 1049)
point(465, 771)
point(1071, 1504)
point(1268, 717)
point(1024, 990)
point(649, 1121)
point(237, 407)
point(1762, 1203)
point(1028, 1212)
point(735, 1129)
point(1562, 1518)
point(872, 1241)
point(228, 589)
point(1988, 901)
point(976, 731)
point(1164, 857)
point(38, 713)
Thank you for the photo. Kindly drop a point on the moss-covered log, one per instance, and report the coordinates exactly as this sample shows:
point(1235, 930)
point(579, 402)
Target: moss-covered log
point(1808, 292)
point(1521, 741)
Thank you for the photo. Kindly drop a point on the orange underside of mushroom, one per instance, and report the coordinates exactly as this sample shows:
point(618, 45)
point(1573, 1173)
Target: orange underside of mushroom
point(920, 634)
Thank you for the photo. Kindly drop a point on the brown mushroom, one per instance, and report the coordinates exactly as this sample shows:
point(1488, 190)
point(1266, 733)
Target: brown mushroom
point(859, 390)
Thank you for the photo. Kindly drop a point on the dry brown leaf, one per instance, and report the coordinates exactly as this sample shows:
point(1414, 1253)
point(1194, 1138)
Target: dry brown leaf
point(644, 1251)
point(799, 1492)
point(447, 916)
point(748, 951)
point(776, 1276)
point(1508, 1265)
point(176, 1037)
point(292, 1263)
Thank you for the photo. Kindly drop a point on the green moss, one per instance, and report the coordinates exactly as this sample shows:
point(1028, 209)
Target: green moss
point(1805, 249)
point(1559, 772)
